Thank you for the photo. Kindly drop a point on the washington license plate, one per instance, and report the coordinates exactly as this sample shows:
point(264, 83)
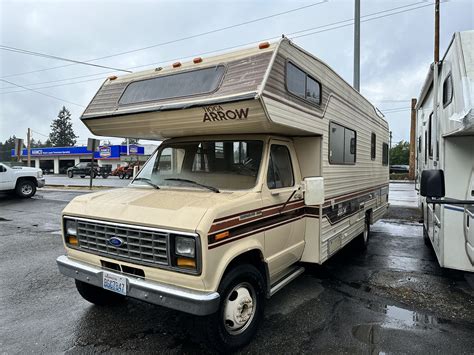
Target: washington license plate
point(114, 283)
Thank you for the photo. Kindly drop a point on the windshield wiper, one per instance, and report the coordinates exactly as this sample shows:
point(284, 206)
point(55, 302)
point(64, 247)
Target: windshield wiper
point(148, 181)
point(212, 188)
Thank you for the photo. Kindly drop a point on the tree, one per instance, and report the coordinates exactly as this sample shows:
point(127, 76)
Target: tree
point(6, 149)
point(400, 154)
point(130, 141)
point(62, 134)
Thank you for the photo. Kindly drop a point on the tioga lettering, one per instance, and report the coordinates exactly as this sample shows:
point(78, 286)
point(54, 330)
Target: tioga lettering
point(217, 113)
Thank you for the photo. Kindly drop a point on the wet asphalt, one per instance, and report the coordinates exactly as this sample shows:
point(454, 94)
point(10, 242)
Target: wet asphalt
point(393, 298)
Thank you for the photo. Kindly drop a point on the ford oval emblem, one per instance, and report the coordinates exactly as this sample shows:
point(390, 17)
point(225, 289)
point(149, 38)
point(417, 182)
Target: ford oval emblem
point(116, 242)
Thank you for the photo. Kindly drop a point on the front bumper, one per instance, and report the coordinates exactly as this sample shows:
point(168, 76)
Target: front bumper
point(190, 301)
point(41, 182)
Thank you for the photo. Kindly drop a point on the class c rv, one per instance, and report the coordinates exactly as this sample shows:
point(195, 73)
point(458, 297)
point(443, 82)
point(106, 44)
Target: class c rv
point(445, 155)
point(269, 160)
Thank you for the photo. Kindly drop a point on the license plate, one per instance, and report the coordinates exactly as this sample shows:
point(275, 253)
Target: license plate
point(114, 283)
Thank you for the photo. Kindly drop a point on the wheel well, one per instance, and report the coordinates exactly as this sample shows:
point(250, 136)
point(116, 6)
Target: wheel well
point(29, 178)
point(253, 257)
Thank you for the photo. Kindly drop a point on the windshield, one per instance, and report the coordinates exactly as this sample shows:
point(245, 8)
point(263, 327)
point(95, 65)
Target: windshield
point(213, 165)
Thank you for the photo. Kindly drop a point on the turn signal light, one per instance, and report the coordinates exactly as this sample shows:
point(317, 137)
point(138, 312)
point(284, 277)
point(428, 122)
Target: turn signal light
point(263, 45)
point(72, 240)
point(186, 262)
point(197, 60)
point(221, 235)
point(113, 77)
point(176, 65)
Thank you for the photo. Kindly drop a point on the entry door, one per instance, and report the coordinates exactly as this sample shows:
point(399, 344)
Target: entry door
point(284, 235)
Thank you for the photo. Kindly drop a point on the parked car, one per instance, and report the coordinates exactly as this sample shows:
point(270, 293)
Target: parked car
point(399, 169)
point(84, 169)
point(21, 179)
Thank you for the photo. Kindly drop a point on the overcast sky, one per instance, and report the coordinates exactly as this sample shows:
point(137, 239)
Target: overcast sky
point(395, 50)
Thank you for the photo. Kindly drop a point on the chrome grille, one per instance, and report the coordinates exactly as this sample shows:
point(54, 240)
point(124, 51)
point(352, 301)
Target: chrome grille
point(140, 246)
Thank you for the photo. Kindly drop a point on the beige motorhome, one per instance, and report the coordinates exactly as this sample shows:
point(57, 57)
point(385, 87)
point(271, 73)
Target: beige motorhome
point(269, 159)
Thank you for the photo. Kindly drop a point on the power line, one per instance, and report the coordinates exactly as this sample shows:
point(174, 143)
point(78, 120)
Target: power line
point(179, 39)
point(240, 45)
point(41, 134)
point(41, 93)
point(366, 20)
point(44, 55)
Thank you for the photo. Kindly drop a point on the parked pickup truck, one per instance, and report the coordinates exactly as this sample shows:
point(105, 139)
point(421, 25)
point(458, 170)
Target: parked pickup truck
point(23, 180)
point(83, 169)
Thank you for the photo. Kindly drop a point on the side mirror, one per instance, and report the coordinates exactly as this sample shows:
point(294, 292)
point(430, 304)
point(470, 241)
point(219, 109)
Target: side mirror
point(432, 183)
point(314, 191)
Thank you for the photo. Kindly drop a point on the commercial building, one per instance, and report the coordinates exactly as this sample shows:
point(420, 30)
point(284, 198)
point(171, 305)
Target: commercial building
point(56, 160)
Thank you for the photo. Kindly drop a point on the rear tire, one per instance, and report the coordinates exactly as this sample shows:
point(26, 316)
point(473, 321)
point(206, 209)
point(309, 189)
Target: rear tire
point(121, 176)
point(70, 174)
point(97, 295)
point(363, 238)
point(127, 176)
point(25, 188)
point(240, 312)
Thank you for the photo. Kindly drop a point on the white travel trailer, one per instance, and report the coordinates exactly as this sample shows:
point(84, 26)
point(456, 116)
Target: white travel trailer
point(269, 159)
point(445, 155)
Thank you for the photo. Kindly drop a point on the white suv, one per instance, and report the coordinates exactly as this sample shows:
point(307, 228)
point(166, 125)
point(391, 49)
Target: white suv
point(22, 180)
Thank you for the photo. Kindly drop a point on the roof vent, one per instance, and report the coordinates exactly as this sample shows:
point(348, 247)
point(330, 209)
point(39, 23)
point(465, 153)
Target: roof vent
point(263, 45)
point(113, 77)
point(176, 65)
point(197, 60)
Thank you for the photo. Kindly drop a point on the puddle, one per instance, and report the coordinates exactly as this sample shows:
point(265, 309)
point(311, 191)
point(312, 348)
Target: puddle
point(395, 318)
point(400, 318)
point(4, 219)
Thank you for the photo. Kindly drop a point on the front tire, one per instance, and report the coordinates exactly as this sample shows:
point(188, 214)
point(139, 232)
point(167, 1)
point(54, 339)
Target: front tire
point(97, 295)
point(25, 188)
point(240, 313)
point(70, 174)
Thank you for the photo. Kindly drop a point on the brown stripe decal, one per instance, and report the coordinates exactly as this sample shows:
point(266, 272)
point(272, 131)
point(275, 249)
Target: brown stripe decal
point(237, 226)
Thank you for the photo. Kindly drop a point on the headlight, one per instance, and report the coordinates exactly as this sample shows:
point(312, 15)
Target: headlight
point(184, 246)
point(71, 228)
point(40, 174)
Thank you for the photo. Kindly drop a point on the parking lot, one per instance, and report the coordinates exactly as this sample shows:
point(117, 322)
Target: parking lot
point(392, 298)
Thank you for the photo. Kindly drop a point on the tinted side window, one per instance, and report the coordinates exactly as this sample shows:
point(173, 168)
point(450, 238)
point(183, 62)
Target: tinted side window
point(295, 80)
point(373, 145)
point(336, 144)
point(313, 91)
point(280, 170)
point(448, 90)
point(430, 138)
point(301, 84)
point(349, 146)
point(342, 144)
point(384, 154)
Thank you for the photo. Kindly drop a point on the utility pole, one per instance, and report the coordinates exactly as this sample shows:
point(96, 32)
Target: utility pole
point(357, 45)
point(28, 146)
point(411, 173)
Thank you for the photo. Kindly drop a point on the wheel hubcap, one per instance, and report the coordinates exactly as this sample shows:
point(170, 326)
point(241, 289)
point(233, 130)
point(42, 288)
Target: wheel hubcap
point(26, 189)
point(239, 308)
